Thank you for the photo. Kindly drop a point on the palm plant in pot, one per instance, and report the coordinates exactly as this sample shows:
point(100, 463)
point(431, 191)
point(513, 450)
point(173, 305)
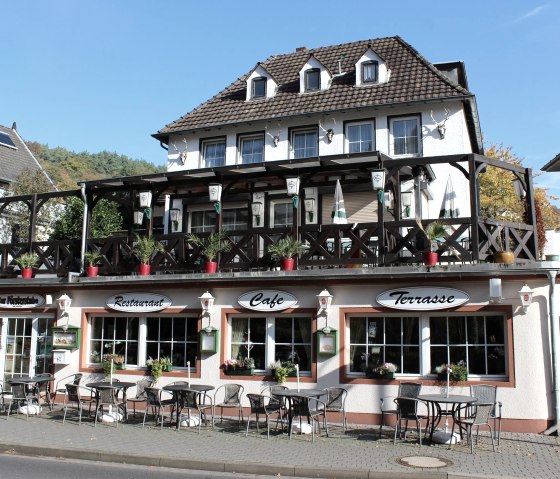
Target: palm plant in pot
point(27, 261)
point(145, 247)
point(211, 247)
point(284, 250)
point(93, 260)
point(434, 231)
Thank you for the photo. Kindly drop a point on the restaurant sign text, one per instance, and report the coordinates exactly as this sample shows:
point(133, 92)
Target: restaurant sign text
point(267, 300)
point(17, 301)
point(422, 298)
point(138, 302)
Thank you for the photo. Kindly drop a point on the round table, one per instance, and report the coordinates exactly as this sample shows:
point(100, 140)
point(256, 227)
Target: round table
point(435, 402)
point(32, 386)
point(175, 389)
point(290, 393)
point(115, 385)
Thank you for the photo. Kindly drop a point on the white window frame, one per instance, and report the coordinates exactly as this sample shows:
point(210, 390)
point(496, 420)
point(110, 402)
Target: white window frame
point(418, 139)
point(303, 131)
point(244, 138)
point(271, 210)
point(205, 145)
point(350, 124)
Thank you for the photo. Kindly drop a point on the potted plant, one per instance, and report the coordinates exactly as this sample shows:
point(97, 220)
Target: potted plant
point(145, 247)
point(167, 363)
point(285, 249)
point(457, 371)
point(156, 368)
point(239, 367)
point(281, 370)
point(503, 255)
point(109, 363)
point(381, 371)
point(434, 231)
point(27, 261)
point(210, 247)
point(93, 259)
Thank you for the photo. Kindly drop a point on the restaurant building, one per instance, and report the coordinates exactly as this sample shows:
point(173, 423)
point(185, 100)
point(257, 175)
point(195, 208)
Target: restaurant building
point(261, 160)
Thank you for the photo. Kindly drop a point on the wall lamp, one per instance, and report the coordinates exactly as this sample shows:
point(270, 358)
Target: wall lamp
point(207, 301)
point(325, 299)
point(406, 199)
point(496, 291)
point(138, 216)
point(309, 204)
point(215, 193)
point(378, 182)
point(292, 185)
point(526, 296)
point(174, 218)
point(257, 210)
point(64, 303)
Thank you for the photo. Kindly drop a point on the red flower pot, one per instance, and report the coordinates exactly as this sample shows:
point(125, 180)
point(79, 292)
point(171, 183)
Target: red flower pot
point(92, 271)
point(144, 270)
point(211, 267)
point(287, 264)
point(27, 273)
point(430, 258)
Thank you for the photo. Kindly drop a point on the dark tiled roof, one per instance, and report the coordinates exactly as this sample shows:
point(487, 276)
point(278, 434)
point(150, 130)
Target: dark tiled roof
point(552, 165)
point(412, 79)
point(13, 162)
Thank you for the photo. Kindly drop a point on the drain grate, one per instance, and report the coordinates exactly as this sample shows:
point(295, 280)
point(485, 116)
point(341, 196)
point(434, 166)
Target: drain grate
point(424, 462)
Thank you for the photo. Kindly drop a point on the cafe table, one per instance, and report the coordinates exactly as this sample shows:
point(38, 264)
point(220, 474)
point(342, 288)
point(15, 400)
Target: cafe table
point(436, 413)
point(33, 384)
point(116, 386)
point(176, 390)
point(288, 394)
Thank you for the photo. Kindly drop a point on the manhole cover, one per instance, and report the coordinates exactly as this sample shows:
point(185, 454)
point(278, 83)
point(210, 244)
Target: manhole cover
point(424, 461)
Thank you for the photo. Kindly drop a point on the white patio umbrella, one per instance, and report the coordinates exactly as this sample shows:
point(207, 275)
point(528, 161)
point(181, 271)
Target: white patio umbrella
point(448, 209)
point(338, 212)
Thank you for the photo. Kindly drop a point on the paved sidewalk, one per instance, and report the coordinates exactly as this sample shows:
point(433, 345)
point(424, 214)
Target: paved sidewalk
point(358, 454)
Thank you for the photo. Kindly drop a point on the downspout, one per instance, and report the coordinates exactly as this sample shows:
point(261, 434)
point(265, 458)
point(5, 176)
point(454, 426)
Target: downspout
point(84, 226)
point(554, 332)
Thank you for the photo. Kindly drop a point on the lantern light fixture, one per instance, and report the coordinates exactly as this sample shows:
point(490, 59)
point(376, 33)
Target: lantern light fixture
point(256, 209)
point(145, 199)
point(309, 204)
point(325, 299)
point(526, 296)
point(406, 199)
point(496, 291)
point(138, 217)
point(215, 193)
point(207, 301)
point(64, 302)
point(292, 186)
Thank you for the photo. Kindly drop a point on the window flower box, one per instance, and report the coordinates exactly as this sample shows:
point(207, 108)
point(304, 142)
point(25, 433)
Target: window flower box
point(240, 372)
point(376, 375)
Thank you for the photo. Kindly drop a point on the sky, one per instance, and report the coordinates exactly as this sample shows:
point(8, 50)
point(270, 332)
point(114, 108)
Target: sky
point(107, 74)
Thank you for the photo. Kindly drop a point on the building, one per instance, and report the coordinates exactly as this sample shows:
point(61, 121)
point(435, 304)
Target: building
point(261, 160)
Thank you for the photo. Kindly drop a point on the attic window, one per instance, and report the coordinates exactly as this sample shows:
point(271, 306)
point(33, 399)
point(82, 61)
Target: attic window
point(258, 87)
point(5, 140)
point(312, 79)
point(370, 72)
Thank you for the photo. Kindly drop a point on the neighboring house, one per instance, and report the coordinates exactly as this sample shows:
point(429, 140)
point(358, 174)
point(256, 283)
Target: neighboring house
point(393, 129)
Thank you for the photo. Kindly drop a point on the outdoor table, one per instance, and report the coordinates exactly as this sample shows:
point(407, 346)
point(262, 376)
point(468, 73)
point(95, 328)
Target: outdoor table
point(435, 401)
point(290, 393)
point(32, 383)
point(116, 386)
point(175, 389)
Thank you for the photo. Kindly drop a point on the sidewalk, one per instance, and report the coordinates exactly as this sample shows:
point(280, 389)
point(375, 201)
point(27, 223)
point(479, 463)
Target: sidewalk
point(358, 454)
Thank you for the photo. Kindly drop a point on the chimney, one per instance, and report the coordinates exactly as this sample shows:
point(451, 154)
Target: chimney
point(14, 126)
point(301, 49)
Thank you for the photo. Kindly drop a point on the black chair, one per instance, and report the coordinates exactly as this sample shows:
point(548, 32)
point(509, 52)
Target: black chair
point(474, 415)
point(73, 396)
point(276, 402)
point(487, 393)
point(313, 409)
point(43, 389)
point(107, 398)
point(336, 402)
point(407, 410)
point(140, 393)
point(260, 405)
point(406, 390)
point(196, 401)
point(21, 397)
point(157, 404)
point(60, 386)
point(232, 394)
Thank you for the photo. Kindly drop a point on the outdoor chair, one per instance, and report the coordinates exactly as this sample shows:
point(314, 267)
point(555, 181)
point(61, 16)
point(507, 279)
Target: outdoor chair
point(474, 415)
point(313, 409)
point(60, 386)
point(336, 402)
point(5, 395)
point(43, 390)
point(107, 398)
point(140, 393)
point(406, 390)
point(232, 394)
point(486, 393)
point(407, 410)
point(20, 397)
point(197, 401)
point(157, 404)
point(261, 406)
point(276, 401)
point(73, 396)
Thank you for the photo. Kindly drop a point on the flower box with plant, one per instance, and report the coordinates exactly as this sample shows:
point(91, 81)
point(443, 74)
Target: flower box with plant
point(27, 261)
point(167, 363)
point(282, 370)
point(156, 368)
point(112, 362)
point(284, 250)
point(239, 367)
point(380, 371)
point(433, 233)
point(211, 247)
point(145, 247)
point(93, 260)
point(457, 372)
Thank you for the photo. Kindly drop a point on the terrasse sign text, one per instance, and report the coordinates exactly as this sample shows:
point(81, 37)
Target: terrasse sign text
point(267, 300)
point(422, 299)
point(21, 301)
point(138, 302)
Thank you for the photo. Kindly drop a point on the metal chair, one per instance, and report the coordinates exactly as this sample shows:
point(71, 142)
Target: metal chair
point(43, 389)
point(73, 396)
point(60, 386)
point(311, 408)
point(107, 398)
point(140, 393)
point(486, 393)
point(260, 406)
point(276, 401)
point(197, 401)
point(407, 410)
point(336, 402)
point(231, 399)
point(158, 405)
point(474, 415)
point(20, 397)
point(406, 390)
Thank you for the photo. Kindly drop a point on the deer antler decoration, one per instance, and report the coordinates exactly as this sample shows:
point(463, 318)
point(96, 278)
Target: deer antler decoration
point(275, 137)
point(330, 132)
point(441, 124)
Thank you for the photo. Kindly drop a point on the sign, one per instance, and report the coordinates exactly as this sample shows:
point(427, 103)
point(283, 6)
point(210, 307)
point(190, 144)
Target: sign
point(19, 301)
point(267, 300)
point(422, 299)
point(138, 302)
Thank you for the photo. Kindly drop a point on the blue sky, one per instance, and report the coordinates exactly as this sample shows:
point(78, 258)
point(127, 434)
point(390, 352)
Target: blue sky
point(106, 74)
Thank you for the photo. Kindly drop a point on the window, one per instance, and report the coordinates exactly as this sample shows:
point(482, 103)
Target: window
point(214, 153)
point(203, 221)
point(282, 214)
point(252, 149)
point(370, 72)
point(270, 338)
point(176, 338)
point(305, 143)
point(114, 335)
point(360, 137)
point(235, 219)
point(405, 136)
point(258, 87)
point(232, 219)
point(5, 140)
point(312, 79)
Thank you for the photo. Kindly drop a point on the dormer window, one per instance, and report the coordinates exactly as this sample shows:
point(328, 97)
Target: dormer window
point(370, 71)
point(258, 88)
point(313, 79)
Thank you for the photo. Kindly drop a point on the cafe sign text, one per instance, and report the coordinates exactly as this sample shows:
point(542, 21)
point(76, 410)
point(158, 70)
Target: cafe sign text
point(267, 300)
point(18, 301)
point(138, 302)
point(422, 299)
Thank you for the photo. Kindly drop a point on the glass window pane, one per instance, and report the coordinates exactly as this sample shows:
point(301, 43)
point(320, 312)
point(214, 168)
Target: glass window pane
point(411, 360)
point(152, 327)
point(258, 330)
point(475, 330)
point(357, 330)
point(302, 330)
point(283, 330)
point(392, 331)
point(457, 330)
point(312, 79)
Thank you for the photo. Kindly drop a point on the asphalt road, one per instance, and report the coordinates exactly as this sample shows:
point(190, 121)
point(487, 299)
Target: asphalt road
point(25, 467)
